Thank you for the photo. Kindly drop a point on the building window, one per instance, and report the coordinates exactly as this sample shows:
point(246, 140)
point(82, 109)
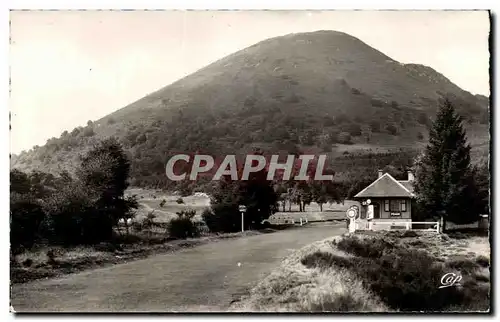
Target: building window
point(394, 206)
point(386, 205)
point(403, 205)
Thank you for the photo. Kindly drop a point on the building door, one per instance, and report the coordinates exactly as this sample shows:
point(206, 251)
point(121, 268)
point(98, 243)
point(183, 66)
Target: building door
point(376, 210)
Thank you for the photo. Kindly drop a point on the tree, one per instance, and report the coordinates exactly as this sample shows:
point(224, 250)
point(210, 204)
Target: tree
point(106, 169)
point(19, 182)
point(104, 172)
point(26, 216)
point(444, 178)
point(319, 193)
point(256, 193)
point(482, 182)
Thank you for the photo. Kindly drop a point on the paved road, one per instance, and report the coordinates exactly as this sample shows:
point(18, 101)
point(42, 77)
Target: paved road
point(203, 278)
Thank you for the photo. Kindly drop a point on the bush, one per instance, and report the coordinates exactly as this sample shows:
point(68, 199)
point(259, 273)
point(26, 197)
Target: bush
point(463, 265)
point(340, 303)
point(88, 131)
point(375, 126)
point(183, 226)
point(405, 280)
point(483, 261)
point(180, 201)
point(391, 129)
point(26, 217)
point(344, 138)
point(222, 219)
point(376, 102)
point(354, 129)
point(410, 233)
point(358, 247)
point(74, 217)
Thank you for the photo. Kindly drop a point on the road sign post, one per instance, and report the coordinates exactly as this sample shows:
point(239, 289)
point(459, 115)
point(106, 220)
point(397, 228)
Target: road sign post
point(352, 213)
point(242, 209)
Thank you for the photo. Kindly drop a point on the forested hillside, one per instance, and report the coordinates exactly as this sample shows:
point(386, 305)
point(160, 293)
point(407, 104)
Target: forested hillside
point(324, 91)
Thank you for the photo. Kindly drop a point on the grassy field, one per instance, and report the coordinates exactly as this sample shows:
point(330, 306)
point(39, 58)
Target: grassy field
point(150, 200)
point(378, 271)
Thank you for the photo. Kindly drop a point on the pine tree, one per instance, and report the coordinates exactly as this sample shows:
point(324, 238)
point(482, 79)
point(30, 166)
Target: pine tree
point(445, 179)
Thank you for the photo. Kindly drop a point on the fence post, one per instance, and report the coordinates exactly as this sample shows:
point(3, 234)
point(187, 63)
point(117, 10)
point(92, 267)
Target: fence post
point(407, 225)
point(301, 221)
point(437, 227)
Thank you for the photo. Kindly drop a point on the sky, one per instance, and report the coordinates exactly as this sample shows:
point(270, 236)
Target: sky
point(68, 67)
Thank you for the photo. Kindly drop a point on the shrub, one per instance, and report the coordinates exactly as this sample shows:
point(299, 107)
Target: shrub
point(88, 131)
point(463, 265)
point(180, 200)
point(375, 126)
point(148, 222)
point(376, 102)
point(223, 219)
point(27, 262)
point(410, 233)
point(163, 202)
point(358, 247)
point(340, 303)
point(353, 129)
point(344, 138)
point(483, 261)
point(26, 217)
point(183, 226)
point(391, 129)
point(405, 280)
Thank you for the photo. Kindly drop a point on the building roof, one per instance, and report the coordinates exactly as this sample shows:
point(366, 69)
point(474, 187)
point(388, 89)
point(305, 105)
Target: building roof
point(407, 184)
point(387, 186)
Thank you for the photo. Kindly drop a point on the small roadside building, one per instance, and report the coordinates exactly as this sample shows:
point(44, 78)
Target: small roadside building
point(386, 203)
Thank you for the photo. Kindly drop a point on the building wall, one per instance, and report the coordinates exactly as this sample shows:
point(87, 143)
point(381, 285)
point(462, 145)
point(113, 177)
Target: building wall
point(386, 215)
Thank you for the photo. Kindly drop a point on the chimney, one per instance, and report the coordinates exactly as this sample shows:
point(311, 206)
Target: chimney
point(380, 173)
point(411, 177)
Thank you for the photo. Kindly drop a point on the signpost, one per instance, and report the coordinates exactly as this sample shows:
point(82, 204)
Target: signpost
point(242, 209)
point(352, 214)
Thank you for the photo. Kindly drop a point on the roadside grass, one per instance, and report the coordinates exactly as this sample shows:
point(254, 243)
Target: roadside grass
point(295, 288)
point(407, 278)
point(373, 272)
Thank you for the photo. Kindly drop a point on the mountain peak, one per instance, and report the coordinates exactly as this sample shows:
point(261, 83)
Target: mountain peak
point(309, 90)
